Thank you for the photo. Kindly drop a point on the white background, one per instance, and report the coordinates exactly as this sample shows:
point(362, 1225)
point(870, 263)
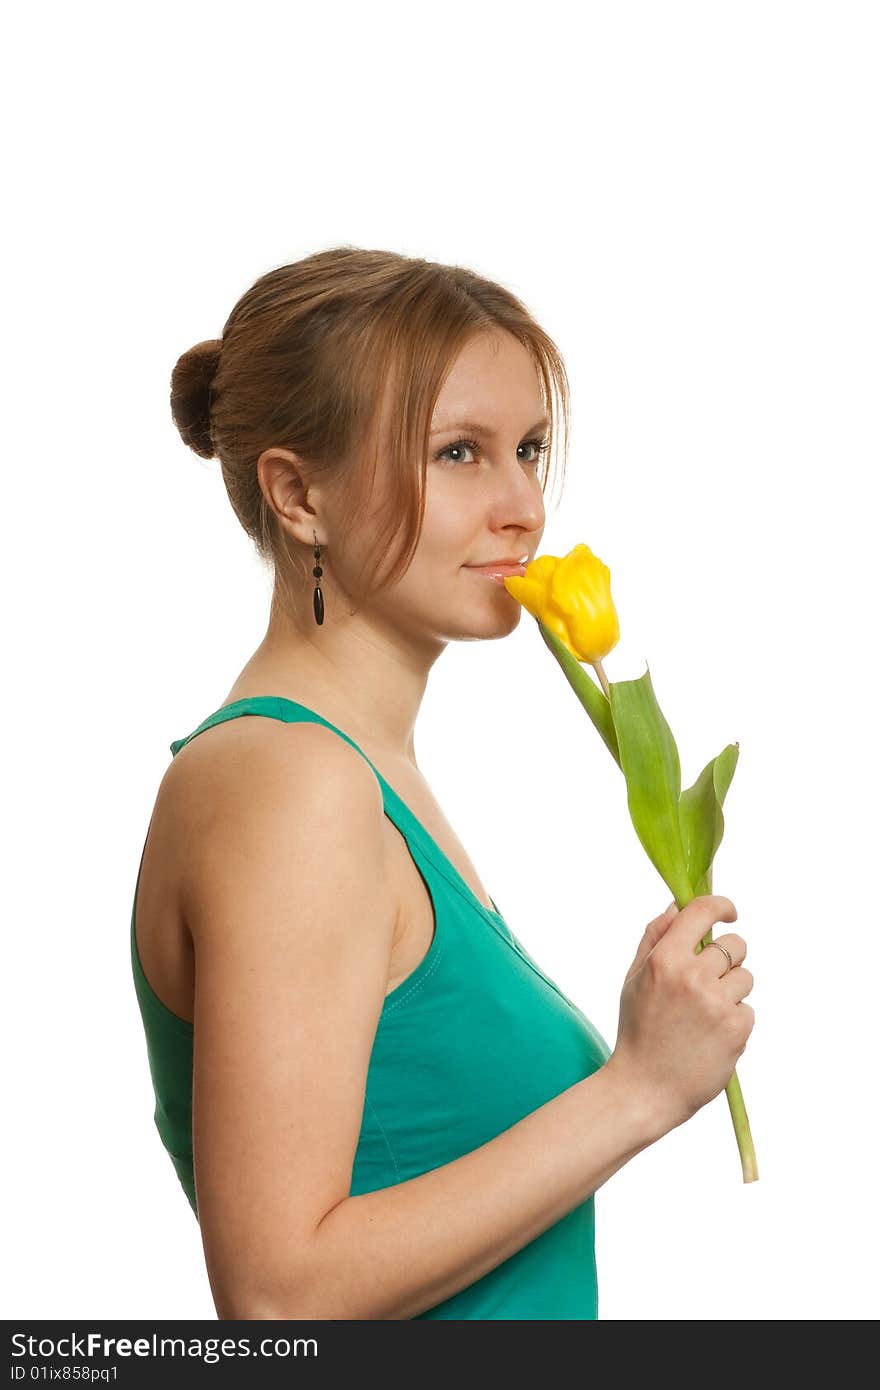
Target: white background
point(686, 196)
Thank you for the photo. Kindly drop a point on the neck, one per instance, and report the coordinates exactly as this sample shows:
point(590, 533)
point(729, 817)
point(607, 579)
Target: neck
point(366, 677)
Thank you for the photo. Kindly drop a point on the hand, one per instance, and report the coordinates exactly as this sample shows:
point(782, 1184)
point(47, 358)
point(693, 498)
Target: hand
point(682, 1023)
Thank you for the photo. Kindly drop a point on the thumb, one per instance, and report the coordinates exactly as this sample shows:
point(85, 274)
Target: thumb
point(654, 931)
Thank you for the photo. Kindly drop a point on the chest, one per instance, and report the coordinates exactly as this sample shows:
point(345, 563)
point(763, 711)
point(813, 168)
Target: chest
point(483, 1038)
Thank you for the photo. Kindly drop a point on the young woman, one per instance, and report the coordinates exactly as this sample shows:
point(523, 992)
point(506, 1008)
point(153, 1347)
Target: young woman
point(377, 1103)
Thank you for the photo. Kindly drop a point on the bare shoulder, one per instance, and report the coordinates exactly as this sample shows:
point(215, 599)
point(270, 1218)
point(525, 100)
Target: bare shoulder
point(286, 785)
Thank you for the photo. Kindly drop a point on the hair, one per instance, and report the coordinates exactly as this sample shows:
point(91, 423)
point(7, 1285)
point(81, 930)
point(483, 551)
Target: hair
point(306, 361)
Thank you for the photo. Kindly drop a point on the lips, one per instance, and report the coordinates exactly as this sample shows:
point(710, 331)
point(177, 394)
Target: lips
point(498, 570)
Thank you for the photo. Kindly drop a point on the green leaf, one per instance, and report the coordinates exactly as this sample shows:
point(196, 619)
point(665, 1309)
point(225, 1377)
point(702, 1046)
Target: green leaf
point(591, 695)
point(649, 762)
point(702, 822)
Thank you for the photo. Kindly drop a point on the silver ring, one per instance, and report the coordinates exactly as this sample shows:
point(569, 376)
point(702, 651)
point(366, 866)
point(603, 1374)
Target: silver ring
point(726, 952)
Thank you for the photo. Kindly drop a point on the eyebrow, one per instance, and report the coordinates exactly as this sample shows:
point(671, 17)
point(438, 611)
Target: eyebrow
point(484, 429)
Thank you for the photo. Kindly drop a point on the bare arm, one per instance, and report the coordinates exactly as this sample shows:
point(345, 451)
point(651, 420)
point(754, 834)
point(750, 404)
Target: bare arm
point(292, 911)
point(395, 1252)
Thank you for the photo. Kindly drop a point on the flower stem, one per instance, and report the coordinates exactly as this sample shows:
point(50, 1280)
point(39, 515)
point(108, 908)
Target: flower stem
point(603, 679)
point(741, 1129)
point(738, 1113)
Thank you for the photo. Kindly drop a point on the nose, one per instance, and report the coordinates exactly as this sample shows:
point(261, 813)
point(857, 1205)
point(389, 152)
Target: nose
point(519, 499)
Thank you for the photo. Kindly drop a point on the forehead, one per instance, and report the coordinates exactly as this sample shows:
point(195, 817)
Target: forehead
point(493, 380)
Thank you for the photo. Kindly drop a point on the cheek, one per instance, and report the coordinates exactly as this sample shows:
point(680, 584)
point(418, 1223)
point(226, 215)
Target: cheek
point(447, 527)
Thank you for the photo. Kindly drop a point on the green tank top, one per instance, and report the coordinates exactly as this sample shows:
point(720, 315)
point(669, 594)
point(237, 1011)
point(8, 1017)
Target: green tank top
point(472, 1041)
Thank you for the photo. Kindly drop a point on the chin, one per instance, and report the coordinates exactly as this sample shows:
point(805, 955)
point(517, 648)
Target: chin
point(491, 623)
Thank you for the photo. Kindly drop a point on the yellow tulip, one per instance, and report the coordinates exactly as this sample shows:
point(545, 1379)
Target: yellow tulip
point(571, 596)
point(680, 831)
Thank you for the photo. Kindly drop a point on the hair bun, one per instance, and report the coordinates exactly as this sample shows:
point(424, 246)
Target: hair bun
point(191, 395)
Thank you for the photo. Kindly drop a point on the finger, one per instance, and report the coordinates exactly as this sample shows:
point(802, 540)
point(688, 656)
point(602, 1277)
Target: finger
point(694, 921)
point(729, 951)
point(654, 931)
point(737, 983)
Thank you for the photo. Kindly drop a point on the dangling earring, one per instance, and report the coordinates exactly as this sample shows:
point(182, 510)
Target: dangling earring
point(317, 572)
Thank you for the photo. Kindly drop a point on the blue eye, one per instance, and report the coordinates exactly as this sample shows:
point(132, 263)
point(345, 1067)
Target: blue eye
point(539, 445)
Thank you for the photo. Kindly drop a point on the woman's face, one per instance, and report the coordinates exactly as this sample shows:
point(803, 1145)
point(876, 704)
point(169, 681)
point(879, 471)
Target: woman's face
point(483, 498)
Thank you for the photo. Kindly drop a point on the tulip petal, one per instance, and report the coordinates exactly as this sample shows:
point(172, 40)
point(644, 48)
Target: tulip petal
point(571, 596)
point(580, 592)
point(529, 589)
point(650, 763)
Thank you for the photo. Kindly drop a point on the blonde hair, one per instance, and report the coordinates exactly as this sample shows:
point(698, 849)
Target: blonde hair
point(305, 362)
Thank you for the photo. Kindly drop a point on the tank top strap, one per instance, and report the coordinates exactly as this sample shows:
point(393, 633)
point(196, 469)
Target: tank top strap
point(273, 707)
point(277, 707)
